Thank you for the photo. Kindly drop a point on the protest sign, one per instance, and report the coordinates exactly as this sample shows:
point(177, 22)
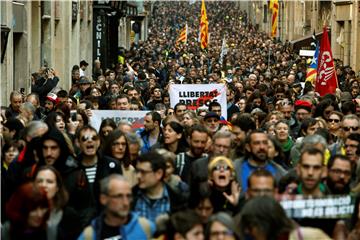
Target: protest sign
point(136, 118)
point(196, 96)
point(329, 207)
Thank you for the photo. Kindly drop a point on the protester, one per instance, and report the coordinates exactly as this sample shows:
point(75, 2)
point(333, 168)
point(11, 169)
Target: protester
point(280, 138)
point(264, 218)
point(117, 221)
point(28, 211)
point(63, 220)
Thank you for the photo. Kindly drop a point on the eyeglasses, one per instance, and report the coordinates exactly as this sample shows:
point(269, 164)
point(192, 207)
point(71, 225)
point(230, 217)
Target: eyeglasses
point(346, 129)
point(88, 138)
point(340, 172)
point(219, 167)
point(334, 120)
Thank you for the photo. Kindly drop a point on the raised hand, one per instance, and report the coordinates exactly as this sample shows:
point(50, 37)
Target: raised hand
point(233, 198)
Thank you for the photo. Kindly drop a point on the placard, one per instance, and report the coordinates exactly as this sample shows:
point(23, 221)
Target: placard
point(136, 118)
point(196, 96)
point(329, 207)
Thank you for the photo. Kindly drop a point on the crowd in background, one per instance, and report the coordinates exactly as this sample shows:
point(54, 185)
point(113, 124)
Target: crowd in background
point(187, 174)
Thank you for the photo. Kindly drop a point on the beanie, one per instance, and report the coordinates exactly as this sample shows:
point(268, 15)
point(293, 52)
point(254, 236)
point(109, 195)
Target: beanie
point(301, 104)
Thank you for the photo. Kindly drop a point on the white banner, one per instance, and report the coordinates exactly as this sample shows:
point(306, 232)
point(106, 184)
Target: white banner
point(136, 118)
point(328, 207)
point(196, 96)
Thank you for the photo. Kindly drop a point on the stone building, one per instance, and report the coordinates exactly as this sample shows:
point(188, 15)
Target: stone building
point(59, 34)
point(298, 19)
point(53, 33)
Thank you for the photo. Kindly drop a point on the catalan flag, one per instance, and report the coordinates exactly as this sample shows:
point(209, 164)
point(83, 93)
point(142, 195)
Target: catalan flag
point(183, 35)
point(311, 71)
point(204, 25)
point(274, 6)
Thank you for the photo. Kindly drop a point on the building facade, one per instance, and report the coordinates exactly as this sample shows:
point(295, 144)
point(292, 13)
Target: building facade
point(56, 34)
point(59, 34)
point(298, 19)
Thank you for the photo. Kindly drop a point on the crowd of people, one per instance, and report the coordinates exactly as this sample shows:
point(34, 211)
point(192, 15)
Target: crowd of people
point(186, 174)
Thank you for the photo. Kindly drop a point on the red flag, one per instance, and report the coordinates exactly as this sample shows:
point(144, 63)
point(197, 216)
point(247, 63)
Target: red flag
point(204, 25)
point(326, 81)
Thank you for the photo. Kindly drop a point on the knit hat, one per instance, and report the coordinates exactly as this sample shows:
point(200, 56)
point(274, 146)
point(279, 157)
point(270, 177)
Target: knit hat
point(220, 159)
point(301, 104)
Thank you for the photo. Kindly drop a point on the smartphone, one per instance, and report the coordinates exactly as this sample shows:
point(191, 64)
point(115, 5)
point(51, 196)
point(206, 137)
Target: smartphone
point(73, 115)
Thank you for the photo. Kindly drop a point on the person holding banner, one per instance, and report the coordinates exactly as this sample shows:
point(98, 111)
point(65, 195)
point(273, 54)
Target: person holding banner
point(339, 174)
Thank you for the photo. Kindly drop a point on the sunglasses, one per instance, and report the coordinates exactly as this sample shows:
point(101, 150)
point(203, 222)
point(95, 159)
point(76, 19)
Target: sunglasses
point(334, 120)
point(219, 167)
point(346, 129)
point(88, 138)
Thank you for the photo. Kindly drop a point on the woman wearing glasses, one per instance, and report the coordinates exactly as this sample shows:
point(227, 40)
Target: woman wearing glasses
point(334, 124)
point(225, 191)
point(117, 147)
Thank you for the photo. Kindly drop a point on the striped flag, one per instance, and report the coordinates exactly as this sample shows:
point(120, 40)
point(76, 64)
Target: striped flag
point(204, 25)
point(183, 35)
point(274, 6)
point(311, 71)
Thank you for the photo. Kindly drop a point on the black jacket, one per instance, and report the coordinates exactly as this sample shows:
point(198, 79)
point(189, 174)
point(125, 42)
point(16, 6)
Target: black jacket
point(43, 86)
point(83, 196)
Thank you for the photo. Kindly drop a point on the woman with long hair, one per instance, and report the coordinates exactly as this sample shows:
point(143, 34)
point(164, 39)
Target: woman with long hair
point(117, 146)
point(27, 212)
point(63, 220)
point(56, 120)
point(173, 138)
point(106, 127)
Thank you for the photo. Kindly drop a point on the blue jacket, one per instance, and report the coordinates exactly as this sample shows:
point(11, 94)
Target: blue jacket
point(136, 228)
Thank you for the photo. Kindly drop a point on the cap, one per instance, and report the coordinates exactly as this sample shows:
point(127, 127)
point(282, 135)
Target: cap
point(83, 63)
point(84, 80)
point(211, 115)
point(52, 97)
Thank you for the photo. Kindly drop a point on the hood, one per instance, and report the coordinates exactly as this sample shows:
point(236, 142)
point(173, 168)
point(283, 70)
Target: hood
point(55, 135)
